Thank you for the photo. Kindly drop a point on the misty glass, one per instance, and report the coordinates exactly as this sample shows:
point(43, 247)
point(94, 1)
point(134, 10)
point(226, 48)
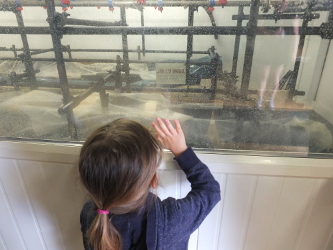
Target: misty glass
point(238, 76)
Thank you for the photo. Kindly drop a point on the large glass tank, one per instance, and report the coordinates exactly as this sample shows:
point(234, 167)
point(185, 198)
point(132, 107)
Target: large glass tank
point(242, 76)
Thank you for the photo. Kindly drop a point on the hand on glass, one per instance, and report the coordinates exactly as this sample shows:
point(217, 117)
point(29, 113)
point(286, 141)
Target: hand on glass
point(171, 138)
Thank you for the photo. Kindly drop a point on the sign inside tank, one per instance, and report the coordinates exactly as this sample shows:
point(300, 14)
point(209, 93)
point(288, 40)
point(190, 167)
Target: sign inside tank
point(170, 73)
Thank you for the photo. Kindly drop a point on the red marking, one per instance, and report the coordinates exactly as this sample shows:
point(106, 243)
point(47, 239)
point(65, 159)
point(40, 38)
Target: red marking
point(210, 8)
point(44, 7)
point(111, 9)
point(19, 8)
point(141, 1)
point(223, 2)
point(98, 7)
point(66, 2)
point(64, 9)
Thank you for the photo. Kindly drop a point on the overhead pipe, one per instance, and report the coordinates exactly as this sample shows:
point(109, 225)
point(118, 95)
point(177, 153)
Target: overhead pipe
point(195, 30)
point(74, 21)
point(89, 60)
point(40, 51)
point(152, 3)
point(280, 17)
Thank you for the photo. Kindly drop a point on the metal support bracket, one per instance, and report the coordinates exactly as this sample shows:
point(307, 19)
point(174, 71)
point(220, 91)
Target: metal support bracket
point(15, 79)
point(326, 30)
point(59, 21)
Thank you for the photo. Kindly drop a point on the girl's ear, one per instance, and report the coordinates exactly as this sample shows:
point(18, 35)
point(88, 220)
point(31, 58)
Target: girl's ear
point(154, 181)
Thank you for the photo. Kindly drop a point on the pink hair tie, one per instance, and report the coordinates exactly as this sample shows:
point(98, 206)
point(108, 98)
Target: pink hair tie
point(100, 211)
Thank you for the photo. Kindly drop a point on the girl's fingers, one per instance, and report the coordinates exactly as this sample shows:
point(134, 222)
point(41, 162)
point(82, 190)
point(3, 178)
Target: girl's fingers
point(158, 130)
point(170, 127)
point(160, 139)
point(178, 127)
point(163, 127)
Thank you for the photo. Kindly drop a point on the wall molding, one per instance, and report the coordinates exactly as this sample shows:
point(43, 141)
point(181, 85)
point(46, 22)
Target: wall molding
point(218, 162)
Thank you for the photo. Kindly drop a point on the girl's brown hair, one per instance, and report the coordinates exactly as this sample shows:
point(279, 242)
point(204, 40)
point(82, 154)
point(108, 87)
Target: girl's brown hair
point(117, 165)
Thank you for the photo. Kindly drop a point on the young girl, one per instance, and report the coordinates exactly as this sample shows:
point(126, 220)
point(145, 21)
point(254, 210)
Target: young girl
point(117, 166)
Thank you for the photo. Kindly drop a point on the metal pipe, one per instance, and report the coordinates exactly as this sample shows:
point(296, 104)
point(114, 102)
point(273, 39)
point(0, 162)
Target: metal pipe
point(14, 50)
point(197, 30)
point(214, 64)
point(283, 16)
point(39, 51)
point(27, 55)
point(105, 60)
point(125, 50)
point(189, 45)
point(249, 50)
point(293, 78)
point(75, 21)
point(173, 88)
point(117, 78)
point(212, 20)
point(139, 52)
point(76, 100)
point(143, 35)
point(79, 98)
point(237, 42)
point(61, 67)
point(68, 50)
point(319, 7)
point(104, 3)
point(136, 51)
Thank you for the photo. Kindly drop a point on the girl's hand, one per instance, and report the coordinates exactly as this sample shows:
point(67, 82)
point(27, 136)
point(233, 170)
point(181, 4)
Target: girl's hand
point(170, 137)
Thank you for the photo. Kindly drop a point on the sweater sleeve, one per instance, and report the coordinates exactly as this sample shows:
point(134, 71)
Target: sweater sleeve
point(183, 216)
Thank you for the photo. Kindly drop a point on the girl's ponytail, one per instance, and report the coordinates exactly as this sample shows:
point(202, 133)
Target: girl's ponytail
point(117, 165)
point(102, 235)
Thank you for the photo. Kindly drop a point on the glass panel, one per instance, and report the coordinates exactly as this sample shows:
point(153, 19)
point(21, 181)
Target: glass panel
point(239, 75)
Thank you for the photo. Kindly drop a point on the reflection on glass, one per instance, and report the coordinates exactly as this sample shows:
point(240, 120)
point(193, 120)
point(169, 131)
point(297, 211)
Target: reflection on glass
point(239, 76)
point(273, 63)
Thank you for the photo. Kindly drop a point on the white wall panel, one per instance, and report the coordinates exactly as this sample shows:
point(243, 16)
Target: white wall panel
point(317, 229)
point(267, 203)
point(51, 187)
point(210, 229)
point(237, 206)
point(293, 201)
point(11, 236)
point(20, 205)
point(185, 187)
point(2, 243)
point(169, 184)
point(41, 204)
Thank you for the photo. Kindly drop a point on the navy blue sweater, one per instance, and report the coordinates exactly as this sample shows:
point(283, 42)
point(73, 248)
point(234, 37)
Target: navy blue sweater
point(165, 224)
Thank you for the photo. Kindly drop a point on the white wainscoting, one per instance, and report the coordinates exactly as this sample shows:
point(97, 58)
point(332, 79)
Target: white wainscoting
point(268, 203)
